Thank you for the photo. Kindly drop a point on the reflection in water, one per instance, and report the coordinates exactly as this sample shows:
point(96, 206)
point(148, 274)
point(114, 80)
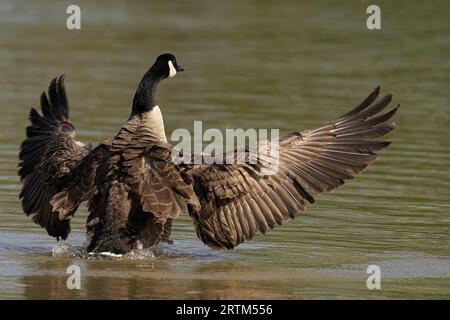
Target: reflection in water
point(125, 279)
point(148, 279)
point(290, 66)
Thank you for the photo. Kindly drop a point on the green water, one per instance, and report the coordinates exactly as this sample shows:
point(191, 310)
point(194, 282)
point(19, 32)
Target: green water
point(263, 64)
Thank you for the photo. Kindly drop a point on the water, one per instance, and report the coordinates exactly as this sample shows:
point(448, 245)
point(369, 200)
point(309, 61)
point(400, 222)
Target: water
point(286, 65)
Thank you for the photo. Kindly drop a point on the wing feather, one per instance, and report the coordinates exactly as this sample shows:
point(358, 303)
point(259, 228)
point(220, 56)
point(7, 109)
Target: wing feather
point(238, 201)
point(47, 157)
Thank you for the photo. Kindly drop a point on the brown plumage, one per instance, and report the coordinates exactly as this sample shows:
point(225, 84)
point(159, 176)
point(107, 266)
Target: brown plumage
point(48, 156)
point(135, 191)
point(238, 201)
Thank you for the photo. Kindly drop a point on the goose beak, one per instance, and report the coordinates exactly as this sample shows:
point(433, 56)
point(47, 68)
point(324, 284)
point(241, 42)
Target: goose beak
point(180, 68)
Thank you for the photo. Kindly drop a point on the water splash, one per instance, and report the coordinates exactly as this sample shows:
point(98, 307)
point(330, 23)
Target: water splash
point(63, 249)
point(162, 250)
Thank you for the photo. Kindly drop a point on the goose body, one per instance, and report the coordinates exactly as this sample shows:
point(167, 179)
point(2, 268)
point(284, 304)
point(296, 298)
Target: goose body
point(135, 191)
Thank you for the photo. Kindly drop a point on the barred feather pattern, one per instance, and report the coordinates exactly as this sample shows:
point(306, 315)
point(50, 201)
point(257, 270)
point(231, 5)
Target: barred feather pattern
point(240, 201)
point(139, 191)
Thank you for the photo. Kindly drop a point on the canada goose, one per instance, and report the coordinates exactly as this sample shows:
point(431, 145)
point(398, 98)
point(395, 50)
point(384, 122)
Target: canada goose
point(135, 190)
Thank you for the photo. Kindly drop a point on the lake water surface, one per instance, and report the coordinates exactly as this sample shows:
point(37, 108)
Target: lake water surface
point(263, 64)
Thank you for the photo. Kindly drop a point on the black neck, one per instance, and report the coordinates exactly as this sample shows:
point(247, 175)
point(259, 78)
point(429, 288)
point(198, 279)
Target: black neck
point(144, 98)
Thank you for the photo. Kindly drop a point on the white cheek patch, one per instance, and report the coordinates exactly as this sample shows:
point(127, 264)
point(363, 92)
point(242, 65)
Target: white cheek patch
point(172, 70)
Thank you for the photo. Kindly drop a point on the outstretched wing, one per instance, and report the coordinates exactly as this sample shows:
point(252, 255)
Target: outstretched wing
point(47, 157)
point(239, 201)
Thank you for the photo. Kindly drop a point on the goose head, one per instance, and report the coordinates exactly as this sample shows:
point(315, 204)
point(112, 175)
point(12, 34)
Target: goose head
point(166, 66)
